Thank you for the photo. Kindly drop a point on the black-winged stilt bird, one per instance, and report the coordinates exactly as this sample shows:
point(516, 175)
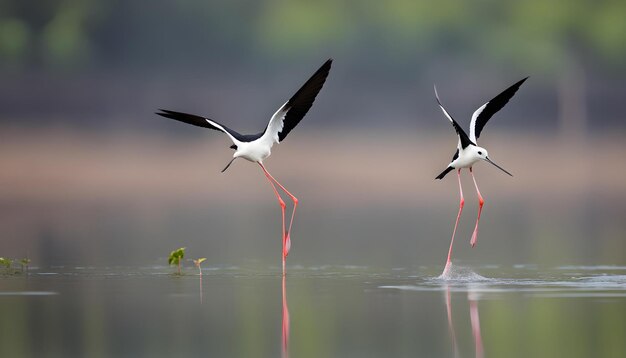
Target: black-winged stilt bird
point(468, 152)
point(257, 147)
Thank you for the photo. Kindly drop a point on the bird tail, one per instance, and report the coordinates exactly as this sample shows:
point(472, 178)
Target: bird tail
point(443, 173)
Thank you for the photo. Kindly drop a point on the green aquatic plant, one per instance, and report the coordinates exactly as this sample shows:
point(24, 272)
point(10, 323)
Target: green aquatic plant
point(7, 266)
point(176, 257)
point(197, 262)
point(6, 262)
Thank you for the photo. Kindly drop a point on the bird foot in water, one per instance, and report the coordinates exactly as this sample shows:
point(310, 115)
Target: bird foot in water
point(446, 270)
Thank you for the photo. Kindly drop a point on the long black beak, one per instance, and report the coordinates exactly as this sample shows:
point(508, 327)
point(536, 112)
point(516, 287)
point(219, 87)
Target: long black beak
point(497, 166)
point(232, 160)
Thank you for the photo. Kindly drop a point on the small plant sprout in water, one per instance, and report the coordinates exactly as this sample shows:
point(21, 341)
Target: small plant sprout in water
point(176, 257)
point(197, 262)
point(24, 262)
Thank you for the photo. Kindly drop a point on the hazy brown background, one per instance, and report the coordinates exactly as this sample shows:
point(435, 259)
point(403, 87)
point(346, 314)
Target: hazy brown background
point(90, 176)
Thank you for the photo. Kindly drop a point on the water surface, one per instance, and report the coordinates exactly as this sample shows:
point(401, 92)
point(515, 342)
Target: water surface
point(317, 311)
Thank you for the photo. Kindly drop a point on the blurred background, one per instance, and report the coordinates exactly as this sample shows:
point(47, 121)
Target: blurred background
point(89, 175)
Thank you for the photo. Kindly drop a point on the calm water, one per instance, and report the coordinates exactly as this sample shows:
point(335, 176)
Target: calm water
point(327, 311)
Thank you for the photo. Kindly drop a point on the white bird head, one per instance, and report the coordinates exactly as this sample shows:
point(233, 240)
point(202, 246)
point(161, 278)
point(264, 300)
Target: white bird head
point(481, 153)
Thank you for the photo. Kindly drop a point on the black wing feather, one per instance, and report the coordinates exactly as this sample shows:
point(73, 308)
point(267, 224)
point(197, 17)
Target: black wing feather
point(465, 141)
point(496, 104)
point(202, 122)
point(300, 103)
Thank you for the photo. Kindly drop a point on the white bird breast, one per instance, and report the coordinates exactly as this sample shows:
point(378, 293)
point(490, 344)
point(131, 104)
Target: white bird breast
point(467, 157)
point(254, 151)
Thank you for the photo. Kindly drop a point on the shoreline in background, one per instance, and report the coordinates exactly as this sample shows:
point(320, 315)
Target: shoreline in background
point(59, 166)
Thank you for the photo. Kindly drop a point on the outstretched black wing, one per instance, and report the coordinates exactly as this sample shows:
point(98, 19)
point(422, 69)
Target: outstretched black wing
point(206, 123)
point(291, 113)
point(482, 115)
point(463, 138)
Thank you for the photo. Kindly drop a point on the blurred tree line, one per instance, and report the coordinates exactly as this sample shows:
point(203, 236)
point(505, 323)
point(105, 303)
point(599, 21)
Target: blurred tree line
point(545, 34)
point(564, 41)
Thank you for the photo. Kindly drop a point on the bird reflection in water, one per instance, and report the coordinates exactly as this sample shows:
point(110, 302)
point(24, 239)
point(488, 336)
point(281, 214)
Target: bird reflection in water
point(472, 298)
point(450, 324)
point(285, 323)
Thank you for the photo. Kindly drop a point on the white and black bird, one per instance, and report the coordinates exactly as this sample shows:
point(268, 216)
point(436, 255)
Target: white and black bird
point(257, 147)
point(469, 153)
